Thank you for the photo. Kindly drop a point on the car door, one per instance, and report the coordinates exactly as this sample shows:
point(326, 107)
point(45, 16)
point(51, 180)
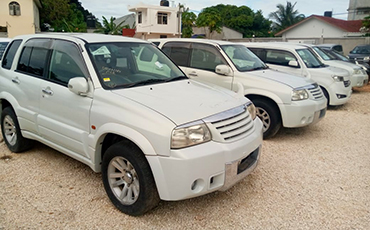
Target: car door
point(64, 116)
point(199, 61)
point(279, 60)
point(27, 77)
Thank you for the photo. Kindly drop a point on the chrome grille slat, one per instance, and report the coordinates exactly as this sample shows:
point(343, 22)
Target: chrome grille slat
point(231, 125)
point(237, 132)
point(234, 126)
point(316, 92)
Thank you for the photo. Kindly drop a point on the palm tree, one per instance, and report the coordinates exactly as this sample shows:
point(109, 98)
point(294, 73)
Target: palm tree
point(109, 27)
point(285, 16)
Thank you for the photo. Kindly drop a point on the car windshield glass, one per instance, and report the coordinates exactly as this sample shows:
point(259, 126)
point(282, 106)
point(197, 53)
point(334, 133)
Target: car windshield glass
point(323, 54)
point(3, 45)
point(309, 59)
point(128, 64)
point(243, 58)
point(361, 50)
point(337, 55)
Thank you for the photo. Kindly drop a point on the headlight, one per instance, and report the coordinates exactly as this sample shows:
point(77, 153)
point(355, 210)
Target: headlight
point(366, 58)
point(252, 110)
point(190, 134)
point(358, 71)
point(299, 94)
point(338, 78)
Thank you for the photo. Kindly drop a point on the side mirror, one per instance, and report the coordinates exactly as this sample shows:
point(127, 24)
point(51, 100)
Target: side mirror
point(293, 63)
point(351, 52)
point(78, 85)
point(223, 70)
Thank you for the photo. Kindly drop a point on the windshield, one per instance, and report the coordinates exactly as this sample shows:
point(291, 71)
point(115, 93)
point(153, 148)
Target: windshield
point(323, 54)
point(361, 50)
point(128, 64)
point(339, 56)
point(243, 58)
point(2, 48)
point(309, 58)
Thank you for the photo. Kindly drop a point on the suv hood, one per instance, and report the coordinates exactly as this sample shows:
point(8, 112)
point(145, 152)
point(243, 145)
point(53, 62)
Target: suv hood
point(281, 77)
point(329, 71)
point(183, 101)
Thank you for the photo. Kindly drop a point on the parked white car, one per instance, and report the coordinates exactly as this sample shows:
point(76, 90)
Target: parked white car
point(358, 75)
point(299, 60)
point(153, 134)
point(280, 99)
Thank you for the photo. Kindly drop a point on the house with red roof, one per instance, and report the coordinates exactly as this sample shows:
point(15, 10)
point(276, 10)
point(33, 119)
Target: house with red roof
point(317, 26)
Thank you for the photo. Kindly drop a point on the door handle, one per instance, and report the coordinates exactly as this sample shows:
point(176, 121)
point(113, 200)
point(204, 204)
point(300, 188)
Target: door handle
point(16, 80)
point(193, 74)
point(48, 91)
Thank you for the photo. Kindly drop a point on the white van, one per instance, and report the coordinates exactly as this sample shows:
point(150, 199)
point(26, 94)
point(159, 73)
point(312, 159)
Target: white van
point(299, 60)
point(358, 75)
point(281, 99)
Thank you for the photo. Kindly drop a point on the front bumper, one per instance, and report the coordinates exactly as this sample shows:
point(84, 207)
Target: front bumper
point(359, 80)
point(303, 113)
point(338, 94)
point(205, 168)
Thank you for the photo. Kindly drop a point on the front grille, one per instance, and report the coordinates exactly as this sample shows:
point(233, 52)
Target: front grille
point(347, 83)
point(230, 125)
point(316, 91)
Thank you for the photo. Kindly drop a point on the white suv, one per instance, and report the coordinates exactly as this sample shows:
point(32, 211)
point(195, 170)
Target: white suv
point(299, 60)
point(152, 132)
point(358, 75)
point(281, 99)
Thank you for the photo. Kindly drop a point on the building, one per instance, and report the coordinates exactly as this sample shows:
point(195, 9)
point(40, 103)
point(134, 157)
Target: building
point(162, 21)
point(321, 27)
point(358, 9)
point(225, 34)
point(19, 17)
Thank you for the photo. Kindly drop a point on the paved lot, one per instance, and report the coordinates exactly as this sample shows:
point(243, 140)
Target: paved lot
point(316, 177)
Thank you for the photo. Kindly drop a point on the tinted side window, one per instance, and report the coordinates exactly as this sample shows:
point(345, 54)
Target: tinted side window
point(338, 48)
point(10, 53)
point(205, 57)
point(279, 57)
point(261, 53)
point(66, 63)
point(34, 57)
point(178, 52)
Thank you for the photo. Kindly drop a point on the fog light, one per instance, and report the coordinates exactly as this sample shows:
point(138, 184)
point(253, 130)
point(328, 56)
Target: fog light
point(303, 120)
point(340, 96)
point(197, 185)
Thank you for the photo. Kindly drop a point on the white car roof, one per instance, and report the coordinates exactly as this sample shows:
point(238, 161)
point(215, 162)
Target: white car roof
point(5, 39)
point(281, 45)
point(86, 37)
point(197, 40)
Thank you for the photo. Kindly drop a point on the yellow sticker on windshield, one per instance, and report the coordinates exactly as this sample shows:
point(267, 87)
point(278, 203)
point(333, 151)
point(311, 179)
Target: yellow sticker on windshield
point(106, 79)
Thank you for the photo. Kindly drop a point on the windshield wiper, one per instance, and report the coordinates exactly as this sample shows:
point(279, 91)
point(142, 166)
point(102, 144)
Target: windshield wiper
point(258, 68)
point(176, 78)
point(145, 82)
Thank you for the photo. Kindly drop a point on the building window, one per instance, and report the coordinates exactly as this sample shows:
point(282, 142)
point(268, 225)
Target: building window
point(162, 18)
point(162, 36)
point(139, 17)
point(14, 8)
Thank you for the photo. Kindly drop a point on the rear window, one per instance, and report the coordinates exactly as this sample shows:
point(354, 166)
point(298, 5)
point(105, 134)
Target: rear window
point(9, 55)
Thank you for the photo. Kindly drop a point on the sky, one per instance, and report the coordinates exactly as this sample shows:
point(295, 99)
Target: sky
point(119, 8)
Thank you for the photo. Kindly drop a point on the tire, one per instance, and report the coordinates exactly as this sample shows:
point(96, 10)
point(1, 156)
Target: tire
point(128, 179)
point(326, 94)
point(12, 133)
point(269, 115)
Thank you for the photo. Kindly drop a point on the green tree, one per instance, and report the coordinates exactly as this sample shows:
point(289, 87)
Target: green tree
point(109, 27)
point(210, 18)
point(187, 22)
point(366, 26)
point(63, 15)
point(242, 19)
point(285, 16)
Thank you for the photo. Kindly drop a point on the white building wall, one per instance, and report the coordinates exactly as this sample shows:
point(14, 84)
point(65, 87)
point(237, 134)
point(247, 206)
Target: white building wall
point(150, 27)
point(313, 28)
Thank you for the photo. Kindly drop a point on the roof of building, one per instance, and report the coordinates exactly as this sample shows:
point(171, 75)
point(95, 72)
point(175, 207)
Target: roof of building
point(127, 20)
point(347, 26)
